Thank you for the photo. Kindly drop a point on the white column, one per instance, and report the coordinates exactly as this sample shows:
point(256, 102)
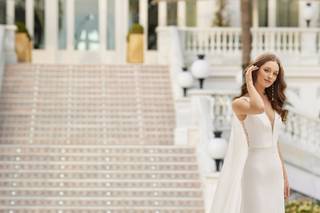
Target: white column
point(143, 20)
point(103, 24)
point(143, 10)
point(181, 13)
point(70, 24)
point(272, 13)
point(30, 16)
point(10, 12)
point(51, 25)
point(205, 12)
point(255, 13)
point(234, 10)
point(122, 10)
point(9, 53)
point(162, 13)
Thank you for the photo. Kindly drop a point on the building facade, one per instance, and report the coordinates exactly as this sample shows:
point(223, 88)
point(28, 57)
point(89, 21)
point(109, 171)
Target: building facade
point(94, 31)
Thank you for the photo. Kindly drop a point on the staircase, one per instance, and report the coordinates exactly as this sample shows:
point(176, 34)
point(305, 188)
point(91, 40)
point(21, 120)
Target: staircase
point(93, 138)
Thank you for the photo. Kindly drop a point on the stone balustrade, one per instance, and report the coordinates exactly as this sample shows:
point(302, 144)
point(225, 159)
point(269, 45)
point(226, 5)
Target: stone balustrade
point(222, 45)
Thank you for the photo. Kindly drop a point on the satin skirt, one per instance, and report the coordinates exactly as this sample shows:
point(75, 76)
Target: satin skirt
point(262, 182)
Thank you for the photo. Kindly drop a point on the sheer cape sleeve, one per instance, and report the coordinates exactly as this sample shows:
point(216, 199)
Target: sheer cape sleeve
point(227, 197)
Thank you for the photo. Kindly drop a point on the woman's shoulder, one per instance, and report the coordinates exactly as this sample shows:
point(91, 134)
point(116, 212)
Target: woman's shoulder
point(240, 99)
point(237, 104)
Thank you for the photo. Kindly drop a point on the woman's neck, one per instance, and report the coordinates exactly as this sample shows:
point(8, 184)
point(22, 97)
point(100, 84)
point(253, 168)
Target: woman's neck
point(260, 90)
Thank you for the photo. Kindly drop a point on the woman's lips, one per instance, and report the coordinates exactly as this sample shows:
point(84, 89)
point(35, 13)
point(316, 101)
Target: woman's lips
point(268, 81)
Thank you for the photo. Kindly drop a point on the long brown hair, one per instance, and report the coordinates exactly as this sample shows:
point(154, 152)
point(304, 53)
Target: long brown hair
point(279, 84)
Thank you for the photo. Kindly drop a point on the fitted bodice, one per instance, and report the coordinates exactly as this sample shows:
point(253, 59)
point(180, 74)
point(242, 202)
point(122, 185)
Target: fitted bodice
point(259, 131)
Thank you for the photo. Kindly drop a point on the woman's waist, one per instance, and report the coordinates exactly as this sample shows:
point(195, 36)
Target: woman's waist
point(269, 147)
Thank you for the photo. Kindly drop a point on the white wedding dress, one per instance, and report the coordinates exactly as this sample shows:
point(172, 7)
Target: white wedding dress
point(251, 180)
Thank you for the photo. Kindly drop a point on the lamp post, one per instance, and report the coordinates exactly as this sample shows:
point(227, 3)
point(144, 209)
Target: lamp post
point(200, 69)
point(185, 80)
point(217, 149)
point(308, 13)
point(308, 37)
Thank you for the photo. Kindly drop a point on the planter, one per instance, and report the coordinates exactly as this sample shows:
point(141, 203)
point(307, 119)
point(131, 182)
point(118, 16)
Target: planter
point(23, 47)
point(135, 48)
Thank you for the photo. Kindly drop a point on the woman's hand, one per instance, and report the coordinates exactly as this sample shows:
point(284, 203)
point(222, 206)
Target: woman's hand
point(248, 73)
point(286, 188)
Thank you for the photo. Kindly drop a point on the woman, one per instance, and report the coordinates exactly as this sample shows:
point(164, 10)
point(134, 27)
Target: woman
point(253, 178)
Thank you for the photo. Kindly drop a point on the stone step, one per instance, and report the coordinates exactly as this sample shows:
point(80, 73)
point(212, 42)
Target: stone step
point(112, 139)
point(34, 165)
point(93, 192)
point(123, 175)
point(124, 209)
point(93, 138)
point(100, 183)
point(124, 149)
point(97, 159)
point(102, 202)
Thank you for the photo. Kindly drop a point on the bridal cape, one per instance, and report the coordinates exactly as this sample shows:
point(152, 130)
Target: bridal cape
point(227, 197)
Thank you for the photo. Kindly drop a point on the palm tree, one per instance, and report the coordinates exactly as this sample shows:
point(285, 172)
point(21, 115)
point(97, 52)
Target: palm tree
point(246, 37)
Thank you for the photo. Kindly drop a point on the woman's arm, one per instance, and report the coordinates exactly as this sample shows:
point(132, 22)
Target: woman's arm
point(285, 176)
point(255, 105)
point(282, 162)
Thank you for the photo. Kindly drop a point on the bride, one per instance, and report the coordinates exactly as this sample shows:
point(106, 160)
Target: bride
point(253, 178)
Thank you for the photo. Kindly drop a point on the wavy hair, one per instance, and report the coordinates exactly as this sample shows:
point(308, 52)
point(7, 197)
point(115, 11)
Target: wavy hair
point(279, 84)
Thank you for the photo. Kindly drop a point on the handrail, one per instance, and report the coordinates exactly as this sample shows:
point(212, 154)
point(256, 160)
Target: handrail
point(303, 131)
point(7, 45)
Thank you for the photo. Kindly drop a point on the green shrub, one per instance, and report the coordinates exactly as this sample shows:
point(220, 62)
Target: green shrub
point(302, 206)
point(21, 28)
point(136, 28)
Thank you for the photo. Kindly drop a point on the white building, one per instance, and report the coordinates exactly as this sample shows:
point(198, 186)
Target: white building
point(94, 31)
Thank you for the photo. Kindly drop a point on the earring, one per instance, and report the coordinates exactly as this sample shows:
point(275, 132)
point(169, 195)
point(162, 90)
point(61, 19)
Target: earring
point(272, 95)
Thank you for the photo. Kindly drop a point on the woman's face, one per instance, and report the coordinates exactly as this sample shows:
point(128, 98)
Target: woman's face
point(267, 74)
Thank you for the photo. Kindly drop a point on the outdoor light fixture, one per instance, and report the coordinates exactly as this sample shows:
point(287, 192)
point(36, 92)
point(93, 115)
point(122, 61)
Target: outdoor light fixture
point(217, 149)
point(185, 80)
point(200, 69)
point(308, 13)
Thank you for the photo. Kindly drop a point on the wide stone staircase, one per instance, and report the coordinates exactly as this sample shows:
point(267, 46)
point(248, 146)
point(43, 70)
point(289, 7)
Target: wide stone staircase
point(93, 138)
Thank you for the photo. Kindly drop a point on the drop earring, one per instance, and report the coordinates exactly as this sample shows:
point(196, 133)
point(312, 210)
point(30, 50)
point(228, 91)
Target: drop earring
point(272, 90)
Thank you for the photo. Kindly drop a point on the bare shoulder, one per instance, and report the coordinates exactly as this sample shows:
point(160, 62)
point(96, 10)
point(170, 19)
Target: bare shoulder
point(239, 104)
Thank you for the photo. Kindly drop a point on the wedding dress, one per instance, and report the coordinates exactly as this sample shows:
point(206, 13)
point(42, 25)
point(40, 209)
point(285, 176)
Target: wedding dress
point(251, 179)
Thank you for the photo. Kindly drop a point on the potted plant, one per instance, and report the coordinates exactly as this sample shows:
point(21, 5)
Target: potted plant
point(135, 45)
point(23, 43)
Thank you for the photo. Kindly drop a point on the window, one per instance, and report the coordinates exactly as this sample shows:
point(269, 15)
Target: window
point(172, 10)
point(287, 13)
point(263, 13)
point(86, 32)
point(111, 25)
point(20, 11)
point(62, 24)
point(3, 13)
point(133, 12)
point(191, 13)
point(39, 24)
point(152, 25)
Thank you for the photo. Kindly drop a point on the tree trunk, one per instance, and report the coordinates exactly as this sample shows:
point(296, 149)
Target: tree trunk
point(246, 36)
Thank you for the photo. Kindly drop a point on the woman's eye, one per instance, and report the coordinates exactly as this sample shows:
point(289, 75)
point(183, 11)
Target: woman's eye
point(266, 70)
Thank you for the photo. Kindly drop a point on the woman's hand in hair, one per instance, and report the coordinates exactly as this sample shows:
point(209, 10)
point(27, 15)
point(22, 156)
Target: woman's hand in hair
point(248, 73)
